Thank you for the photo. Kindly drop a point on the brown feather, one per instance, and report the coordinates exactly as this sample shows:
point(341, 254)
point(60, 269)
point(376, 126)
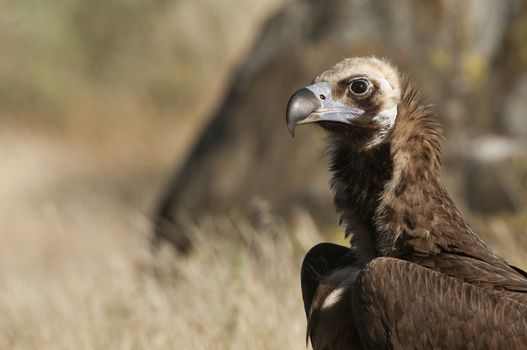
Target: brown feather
point(326, 268)
point(402, 305)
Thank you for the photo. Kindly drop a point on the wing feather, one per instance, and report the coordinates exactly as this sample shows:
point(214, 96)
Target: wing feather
point(407, 306)
point(496, 278)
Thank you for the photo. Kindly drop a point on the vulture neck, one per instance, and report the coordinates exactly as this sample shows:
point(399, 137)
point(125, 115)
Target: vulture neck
point(391, 198)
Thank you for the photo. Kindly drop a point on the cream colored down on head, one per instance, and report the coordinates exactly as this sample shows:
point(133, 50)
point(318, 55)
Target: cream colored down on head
point(376, 70)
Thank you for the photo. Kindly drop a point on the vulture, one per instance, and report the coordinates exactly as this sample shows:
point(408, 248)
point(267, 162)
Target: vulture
point(416, 276)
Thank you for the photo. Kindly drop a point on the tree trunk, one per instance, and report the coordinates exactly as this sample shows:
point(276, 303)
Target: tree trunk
point(466, 55)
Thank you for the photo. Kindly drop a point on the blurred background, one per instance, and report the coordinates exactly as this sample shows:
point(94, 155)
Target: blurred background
point(152, 197)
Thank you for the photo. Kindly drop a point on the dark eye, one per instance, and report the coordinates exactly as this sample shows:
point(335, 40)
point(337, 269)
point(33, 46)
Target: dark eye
point(359, 87)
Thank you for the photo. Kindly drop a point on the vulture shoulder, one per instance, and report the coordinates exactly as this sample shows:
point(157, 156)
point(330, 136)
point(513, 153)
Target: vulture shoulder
point(327, 277)
point(318, 263)
point(397, 302)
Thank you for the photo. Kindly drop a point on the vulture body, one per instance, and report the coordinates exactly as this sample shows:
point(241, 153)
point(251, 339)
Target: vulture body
point(416, 275)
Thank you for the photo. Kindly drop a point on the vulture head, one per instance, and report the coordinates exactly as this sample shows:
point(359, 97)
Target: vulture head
point(384, 148)
point(356, 100)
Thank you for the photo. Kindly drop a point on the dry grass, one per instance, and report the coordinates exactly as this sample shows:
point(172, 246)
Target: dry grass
point(77, 272)
point(83, 162)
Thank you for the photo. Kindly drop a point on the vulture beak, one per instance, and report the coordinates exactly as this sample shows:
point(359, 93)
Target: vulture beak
point(313, 104)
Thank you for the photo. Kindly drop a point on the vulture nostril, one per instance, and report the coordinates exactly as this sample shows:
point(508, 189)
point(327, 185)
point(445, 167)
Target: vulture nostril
point(322, 97)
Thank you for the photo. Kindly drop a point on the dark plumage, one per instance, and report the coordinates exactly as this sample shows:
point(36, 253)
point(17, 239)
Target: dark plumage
point(416, 276)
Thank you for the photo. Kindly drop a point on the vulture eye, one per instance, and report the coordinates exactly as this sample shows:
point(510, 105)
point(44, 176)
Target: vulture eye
point(359, 87)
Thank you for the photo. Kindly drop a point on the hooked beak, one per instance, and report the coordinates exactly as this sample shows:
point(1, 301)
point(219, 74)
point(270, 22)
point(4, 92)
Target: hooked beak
point(314, 103)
